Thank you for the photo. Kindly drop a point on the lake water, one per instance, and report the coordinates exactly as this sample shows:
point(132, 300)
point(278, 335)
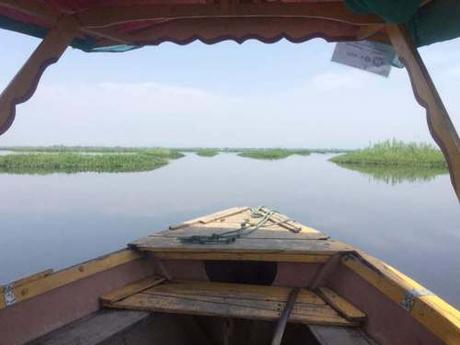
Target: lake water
point(57, 220)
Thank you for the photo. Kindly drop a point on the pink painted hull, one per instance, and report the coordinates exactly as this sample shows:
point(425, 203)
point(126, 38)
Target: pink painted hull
point(387, 322)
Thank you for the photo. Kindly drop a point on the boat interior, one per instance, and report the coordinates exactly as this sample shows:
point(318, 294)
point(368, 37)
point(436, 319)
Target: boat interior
point(239, 276)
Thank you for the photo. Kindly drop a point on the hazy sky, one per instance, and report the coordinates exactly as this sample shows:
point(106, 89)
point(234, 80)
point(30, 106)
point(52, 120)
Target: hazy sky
point(249, 95)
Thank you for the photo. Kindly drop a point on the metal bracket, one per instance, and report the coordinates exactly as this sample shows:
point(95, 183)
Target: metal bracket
point(411, 295)
point(8, 293)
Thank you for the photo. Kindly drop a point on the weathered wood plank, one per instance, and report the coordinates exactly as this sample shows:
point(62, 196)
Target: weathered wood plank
point(93, 329)
point(244, 245)
point(232, 300)
point(283, 257)
point(221, 307)
point(272, 242)
point(60, 278)
point(233, 218)
point(210, 218)
point(131, 289)
point(229, 290)
point(342, 306)
point(329, 335)
point(262, 233)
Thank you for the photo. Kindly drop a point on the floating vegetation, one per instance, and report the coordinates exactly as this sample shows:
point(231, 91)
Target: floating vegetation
point(394, 162)
point(272, 154)
point(207, 152)
point(157, 151)
point(68, 162)
point(162, 152)
point(395, 153)
point(394, 174)
point(61, 148)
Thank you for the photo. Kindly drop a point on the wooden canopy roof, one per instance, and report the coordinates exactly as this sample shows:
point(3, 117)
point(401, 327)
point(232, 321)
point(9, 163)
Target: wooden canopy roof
point(106, 24)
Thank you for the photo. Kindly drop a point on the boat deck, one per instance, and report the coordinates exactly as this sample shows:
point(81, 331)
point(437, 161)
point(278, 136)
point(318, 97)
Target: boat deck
point(279, 238)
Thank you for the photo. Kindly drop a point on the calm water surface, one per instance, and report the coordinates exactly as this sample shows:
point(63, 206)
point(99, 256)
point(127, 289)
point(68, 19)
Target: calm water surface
point(58, 220)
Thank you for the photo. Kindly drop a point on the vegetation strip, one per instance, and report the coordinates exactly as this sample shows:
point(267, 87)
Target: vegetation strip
point(70, 162)
point(272, 154)
point(395, 153)
point(207, 152)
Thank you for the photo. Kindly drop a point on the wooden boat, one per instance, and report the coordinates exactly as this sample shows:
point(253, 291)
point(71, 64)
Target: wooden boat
point(242, 276)
point(239, 276)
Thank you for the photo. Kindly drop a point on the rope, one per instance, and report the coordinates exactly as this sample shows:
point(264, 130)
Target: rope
point(232, 235)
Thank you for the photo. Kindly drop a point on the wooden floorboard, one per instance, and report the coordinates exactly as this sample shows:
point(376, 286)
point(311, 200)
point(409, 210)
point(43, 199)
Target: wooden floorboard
point(93, 329)
point(329, 335)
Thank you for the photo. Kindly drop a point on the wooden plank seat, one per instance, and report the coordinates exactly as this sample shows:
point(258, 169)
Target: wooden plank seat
point(225, 300)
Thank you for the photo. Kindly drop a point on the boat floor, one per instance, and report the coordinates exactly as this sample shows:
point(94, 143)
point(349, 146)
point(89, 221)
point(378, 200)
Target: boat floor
point(124, 327)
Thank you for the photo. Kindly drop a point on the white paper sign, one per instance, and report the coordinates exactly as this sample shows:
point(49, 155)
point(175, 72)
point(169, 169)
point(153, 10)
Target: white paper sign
point(370, 56)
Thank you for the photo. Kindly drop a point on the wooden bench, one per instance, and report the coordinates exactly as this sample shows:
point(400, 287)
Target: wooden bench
point(230, 301)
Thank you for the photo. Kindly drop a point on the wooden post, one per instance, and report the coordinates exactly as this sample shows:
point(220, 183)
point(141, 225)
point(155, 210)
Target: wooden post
point(24, 84)
point(441, 127)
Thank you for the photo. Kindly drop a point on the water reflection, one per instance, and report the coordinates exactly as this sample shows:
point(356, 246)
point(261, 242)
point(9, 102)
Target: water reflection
point(396, 174)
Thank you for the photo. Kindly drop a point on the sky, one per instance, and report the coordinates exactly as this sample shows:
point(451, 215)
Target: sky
point(223, 95)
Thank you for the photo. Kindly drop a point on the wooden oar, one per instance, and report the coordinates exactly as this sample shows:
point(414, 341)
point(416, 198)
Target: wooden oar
point(282, 322)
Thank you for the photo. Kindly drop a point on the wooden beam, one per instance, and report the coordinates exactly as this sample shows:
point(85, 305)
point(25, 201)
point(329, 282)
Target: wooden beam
point(32, 8)
point(104, 16)
point(341, 305)
point(41, 285)
point(33, 277)
point(367, 31)
point(50, 14)
point(131, 289)
point(326, 271)
point(212, 30)
point(441, 127)
point(305, 258)
point(24, 84)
